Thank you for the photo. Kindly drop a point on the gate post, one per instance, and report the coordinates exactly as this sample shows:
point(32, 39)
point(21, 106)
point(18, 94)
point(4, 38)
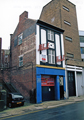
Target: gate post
point(38, 89)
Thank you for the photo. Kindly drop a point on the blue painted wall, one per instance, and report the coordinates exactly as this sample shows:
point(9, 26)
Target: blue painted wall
point(49, 71)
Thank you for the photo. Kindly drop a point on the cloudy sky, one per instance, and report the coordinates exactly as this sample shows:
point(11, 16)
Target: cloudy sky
point(11, 9)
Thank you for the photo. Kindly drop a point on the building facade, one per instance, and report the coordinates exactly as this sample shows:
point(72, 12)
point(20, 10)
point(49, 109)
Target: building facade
point(50, 66)
point(62, 13)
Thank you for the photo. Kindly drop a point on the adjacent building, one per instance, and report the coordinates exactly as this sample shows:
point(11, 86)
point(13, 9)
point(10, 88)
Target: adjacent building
point(81, 36)
point(62, 13)
point(5, 58)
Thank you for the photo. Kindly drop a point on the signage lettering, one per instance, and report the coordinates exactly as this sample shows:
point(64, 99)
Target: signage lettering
point(60, 58)
point(42, 47)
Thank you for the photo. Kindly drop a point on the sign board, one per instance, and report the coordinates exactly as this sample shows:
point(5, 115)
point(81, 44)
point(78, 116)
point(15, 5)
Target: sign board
point(47, 82)
point(43, 58)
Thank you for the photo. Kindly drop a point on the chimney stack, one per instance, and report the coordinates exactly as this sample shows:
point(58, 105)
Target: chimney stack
point(23, 15)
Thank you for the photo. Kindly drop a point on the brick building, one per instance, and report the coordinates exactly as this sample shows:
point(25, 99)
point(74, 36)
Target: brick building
point(22, 56)
point(37, 59)
point(5, 58)
point(62, 13)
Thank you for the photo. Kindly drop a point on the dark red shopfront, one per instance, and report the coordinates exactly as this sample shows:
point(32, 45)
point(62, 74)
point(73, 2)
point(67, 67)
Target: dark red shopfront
point(48, 84)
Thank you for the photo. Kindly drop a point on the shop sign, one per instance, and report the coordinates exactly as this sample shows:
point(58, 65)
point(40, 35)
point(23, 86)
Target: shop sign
point(60, 58)
point(47, 82)
point(43, 47)
point(43, 58)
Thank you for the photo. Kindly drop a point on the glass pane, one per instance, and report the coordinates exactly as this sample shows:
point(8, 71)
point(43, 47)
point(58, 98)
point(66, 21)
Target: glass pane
point(53, 52)
point(49, 52)
point(82, 39)
point(48, 31)
point(68, 73)
point(21, 58)
point(52, 37)
point(20, 63)
point(49, 58)
point(48, 36)
point(82, 50)
point(53, 59)
point(69, 78)
point(71, 74)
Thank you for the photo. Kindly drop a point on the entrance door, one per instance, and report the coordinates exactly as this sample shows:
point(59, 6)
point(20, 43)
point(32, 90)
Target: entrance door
point(71, 83)
point(79, 83)
point(61, 87)
point(47, 93)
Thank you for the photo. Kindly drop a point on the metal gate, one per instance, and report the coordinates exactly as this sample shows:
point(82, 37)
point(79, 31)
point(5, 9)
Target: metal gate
point(47, 93)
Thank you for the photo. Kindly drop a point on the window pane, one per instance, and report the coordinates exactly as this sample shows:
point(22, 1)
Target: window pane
point(82, 50)
point(68, 38)
point(70, 55)
point(52, 37)
point(66, 8)
point(49, 52)
point(21, 58)
point(48, 36)
point(53, 52)
point(21, 63)
point(49, 58)
point(20, 39)
point(48, 31)
point(81, 39)
point(53, 59)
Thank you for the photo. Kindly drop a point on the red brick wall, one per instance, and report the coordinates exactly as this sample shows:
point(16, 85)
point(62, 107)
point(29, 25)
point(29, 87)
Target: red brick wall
point(21, 77)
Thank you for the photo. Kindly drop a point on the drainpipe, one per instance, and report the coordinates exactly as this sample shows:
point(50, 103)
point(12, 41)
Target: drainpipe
point(67, 79)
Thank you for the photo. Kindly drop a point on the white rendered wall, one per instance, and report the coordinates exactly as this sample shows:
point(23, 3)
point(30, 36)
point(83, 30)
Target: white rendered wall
point(58, 53)
point(62, 46)
point(37, 45)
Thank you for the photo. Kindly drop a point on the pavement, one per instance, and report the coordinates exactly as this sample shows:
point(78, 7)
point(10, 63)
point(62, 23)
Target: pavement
point(31, 108)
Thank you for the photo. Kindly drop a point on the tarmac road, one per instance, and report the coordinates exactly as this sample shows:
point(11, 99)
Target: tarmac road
point(73, 111)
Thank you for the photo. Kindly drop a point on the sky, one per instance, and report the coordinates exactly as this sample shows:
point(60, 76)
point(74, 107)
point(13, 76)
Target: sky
point(11, 9)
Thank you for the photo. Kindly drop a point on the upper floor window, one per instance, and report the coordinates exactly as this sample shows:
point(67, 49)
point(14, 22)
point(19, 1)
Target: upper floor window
point(82, 50)
point(70, 55)
point(66, 8)
point(68, 38)
point(50, 35)
point(20, 39)
point(51, 56)
point(83, 60)
point(81, 39)
point(66, 22)
point(20, 60)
